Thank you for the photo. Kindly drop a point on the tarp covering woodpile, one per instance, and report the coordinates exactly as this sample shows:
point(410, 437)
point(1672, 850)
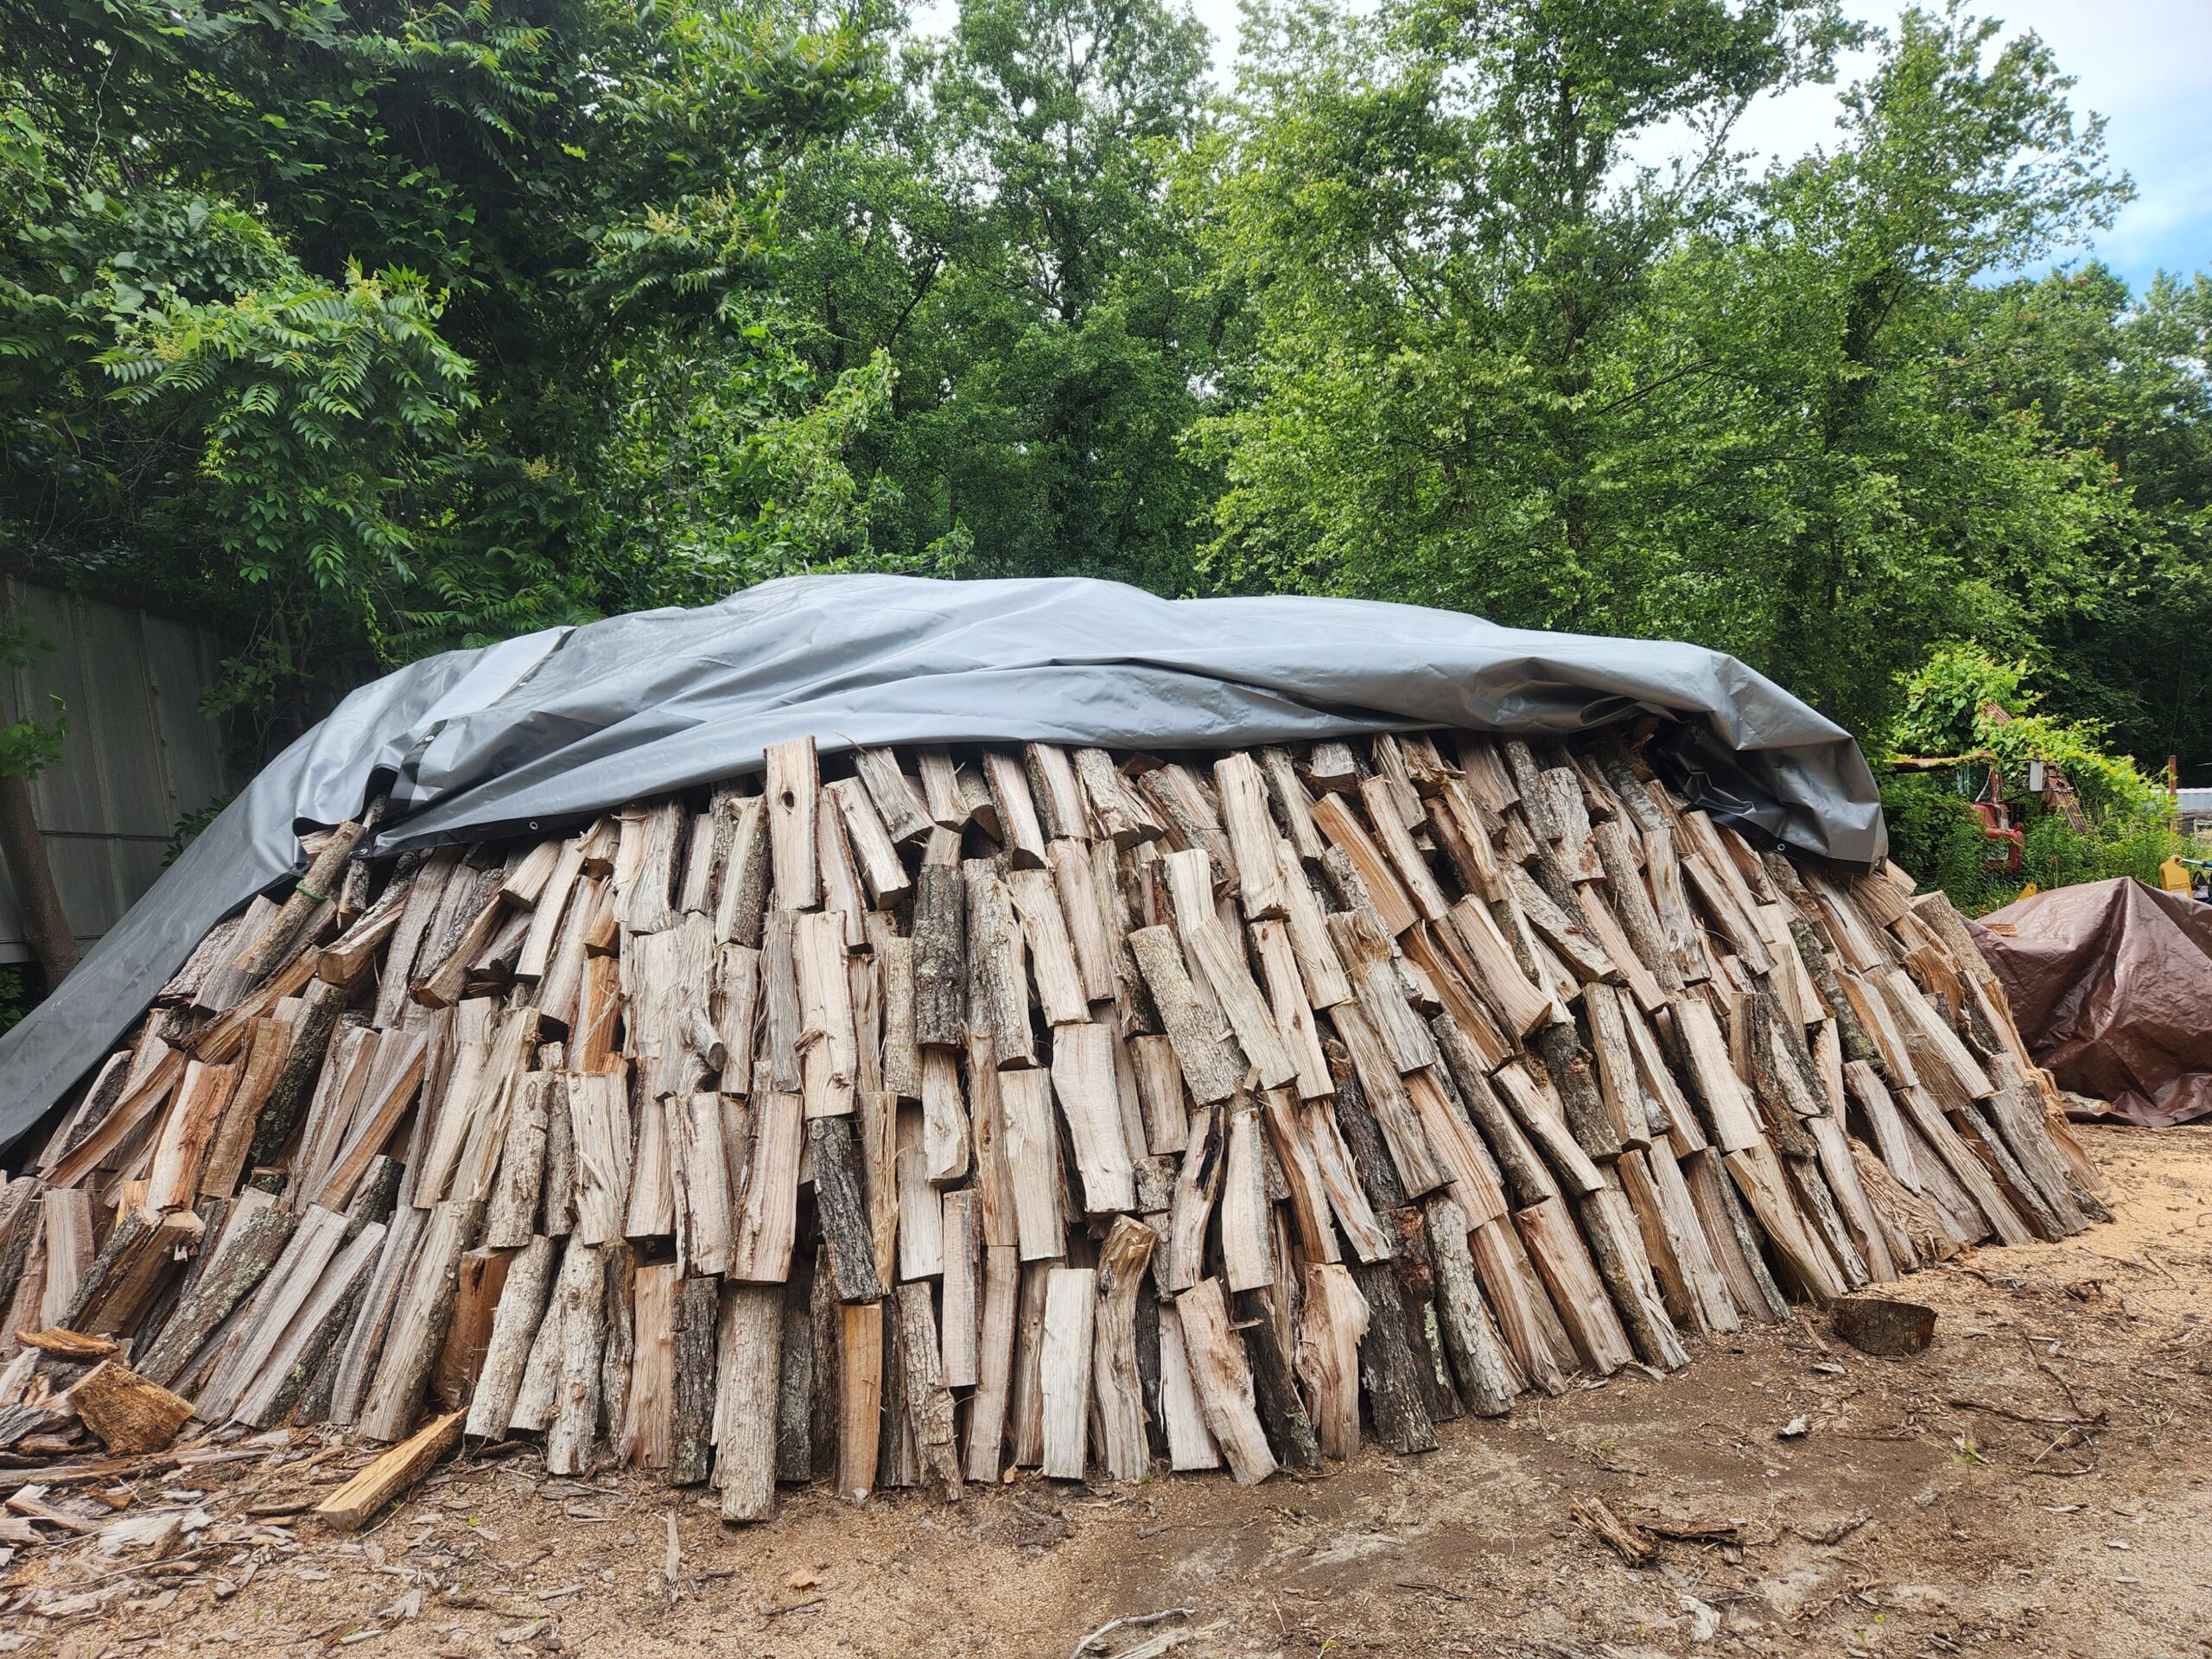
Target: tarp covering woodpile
point(2111, 983)
point(898, 1112)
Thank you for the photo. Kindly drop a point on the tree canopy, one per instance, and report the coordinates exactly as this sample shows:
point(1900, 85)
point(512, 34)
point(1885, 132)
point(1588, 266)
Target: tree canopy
point(372, 329)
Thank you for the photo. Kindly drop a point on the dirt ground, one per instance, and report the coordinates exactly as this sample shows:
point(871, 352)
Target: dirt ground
point(2039, 1482)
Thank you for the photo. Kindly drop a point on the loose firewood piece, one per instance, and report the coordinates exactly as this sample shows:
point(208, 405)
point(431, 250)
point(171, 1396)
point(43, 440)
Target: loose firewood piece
point(841, 878)
point(904, 817)
point(1340, 1179)
point(1348, 837)
point(873, 850)
point(1395, 837)
point(944, 1119)
point(1159, 1090)
point(1246, 1252)
point(1065, 1362)
point(940, 956)
point(1389, 1370)
point(138, 1278)
point(987, 1410)
point(172, 1173)
point(126, 1413)
point(1083, 1078)
point(941, 797)
point(649, 1405)
point(1576, 1292)
point(1528, 1324)
point(1294, 1015)
point(1061, 809)
point(1324, 974)
point(767, 1218)
point(921, 1241)
point(419, 1322)
point(1617, 1249)
point(1301, 1172)
point(1187, 810)
point(1122, 1260)
point(794, 788)
point(1695, 1290)
point(1384, 1093)
point(1060, 991)
point(1120, 814)
point(286, 1370)
point(1032, 1150)
point(829, 1052)
point(1022, 834)
point(520, 1308)
point(1367, 955)
point(1294, 806)
point(1329, 767)
point(998, 996)
point(842, 1209)
point(1473, 1179)
point(289, 924)
point(65, 1215)
point(959, 1241)
point(748, 1369)
point(1485, 1375)
point(1274, 1386)
point(1733, 1237)
point(1190, 1443)
point(481, 1281)
point(599, 1127)
point(1731, 1118)
point(701, 1178)
point(1662, 871)
point(1224, 1382)
point(1196, 1182)
point(860, 1398)
point(1331, 1320)
point(1211, 1069)
point(1087, 923)
point(1491, 970)
point(744, 857)
point(1222, 960)
point(927, 1402)
point(1765, 1189)
point(1252, 835)
point(1880, 1324)
point(511, 1214)
point(138, 1106)
point(364, 1498)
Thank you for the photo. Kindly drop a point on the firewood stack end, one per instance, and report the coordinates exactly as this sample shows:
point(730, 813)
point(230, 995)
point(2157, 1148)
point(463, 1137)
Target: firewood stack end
point(899, 1117)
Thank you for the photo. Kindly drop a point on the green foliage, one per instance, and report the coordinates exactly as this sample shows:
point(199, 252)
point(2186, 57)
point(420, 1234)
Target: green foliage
point(1946, 711)
point(1937, 836)
point(28, 746)
point(380, 327)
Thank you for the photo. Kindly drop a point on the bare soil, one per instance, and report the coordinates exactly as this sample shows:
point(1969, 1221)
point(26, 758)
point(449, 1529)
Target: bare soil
point(2039, 1482)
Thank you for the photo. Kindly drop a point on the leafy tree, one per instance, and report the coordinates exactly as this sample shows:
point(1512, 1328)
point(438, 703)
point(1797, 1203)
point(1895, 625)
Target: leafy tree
point(1003, 230)
point(330, 318)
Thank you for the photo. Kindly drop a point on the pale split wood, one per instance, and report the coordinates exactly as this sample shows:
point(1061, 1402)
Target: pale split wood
point(1224, 1382)
point(1070, 1298)
point(793, 789)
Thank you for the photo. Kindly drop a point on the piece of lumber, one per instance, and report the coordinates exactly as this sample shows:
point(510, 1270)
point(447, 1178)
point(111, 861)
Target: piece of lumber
point(363, 1497)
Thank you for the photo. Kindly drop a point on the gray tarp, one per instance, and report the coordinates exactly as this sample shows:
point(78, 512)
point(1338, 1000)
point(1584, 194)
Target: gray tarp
point(538, 732)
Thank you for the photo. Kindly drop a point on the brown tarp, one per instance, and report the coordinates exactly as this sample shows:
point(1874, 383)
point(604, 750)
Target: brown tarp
point(2112, 985)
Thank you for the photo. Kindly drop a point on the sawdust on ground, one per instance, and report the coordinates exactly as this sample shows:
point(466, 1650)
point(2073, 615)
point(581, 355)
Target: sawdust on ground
point(2039, 1482)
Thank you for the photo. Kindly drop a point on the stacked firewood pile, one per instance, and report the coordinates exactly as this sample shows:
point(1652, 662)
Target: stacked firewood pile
point(905, 1115)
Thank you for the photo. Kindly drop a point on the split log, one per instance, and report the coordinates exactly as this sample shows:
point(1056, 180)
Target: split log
point(1224, 1382)
point(1274, 1387)
point(363, 1497)
point(1485, 1376)
point(1122, 1260)
point(520, 1308)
